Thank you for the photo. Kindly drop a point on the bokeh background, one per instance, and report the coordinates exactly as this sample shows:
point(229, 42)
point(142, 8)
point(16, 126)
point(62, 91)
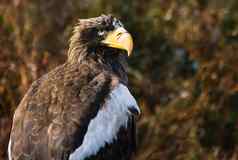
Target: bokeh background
point(184, 70)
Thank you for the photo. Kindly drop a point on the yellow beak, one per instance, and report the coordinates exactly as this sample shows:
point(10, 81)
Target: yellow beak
point(119, 39)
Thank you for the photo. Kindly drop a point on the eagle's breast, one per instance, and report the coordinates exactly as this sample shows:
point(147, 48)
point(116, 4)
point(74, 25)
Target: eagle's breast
point(103, 128)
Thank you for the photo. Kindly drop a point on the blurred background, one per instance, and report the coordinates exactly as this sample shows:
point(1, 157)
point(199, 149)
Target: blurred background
point(184, 70)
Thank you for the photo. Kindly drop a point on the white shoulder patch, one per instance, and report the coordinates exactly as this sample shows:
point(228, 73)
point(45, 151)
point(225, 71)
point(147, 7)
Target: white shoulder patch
point(9, 150)
point(104, 127)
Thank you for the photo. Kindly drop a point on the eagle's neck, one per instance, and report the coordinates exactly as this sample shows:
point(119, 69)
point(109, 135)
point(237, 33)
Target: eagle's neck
point(77, 50)
point(77, 54)
point(80, 51)
point(112, 60)
point(118, 65)
point(77, 46)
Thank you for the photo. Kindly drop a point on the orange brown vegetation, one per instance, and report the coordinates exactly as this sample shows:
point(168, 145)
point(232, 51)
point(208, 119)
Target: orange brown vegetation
point(184, 70)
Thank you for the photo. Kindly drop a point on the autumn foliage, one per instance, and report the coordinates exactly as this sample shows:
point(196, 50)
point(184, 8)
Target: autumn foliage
point(183, 72)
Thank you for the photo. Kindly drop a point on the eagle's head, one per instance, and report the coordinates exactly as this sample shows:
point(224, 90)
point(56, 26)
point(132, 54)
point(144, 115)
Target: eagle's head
point(103, 36)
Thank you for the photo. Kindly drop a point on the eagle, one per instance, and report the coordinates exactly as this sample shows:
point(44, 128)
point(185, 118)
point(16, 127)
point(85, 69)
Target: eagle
point(82, 109)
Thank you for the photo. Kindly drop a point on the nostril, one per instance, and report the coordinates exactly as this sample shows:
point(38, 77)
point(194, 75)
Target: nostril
point(118, 34)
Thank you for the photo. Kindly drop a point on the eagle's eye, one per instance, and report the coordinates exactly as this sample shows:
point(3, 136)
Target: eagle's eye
point(116, 23)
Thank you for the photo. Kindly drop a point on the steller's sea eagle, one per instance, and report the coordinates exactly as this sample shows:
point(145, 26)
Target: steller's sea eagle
point(82, 109)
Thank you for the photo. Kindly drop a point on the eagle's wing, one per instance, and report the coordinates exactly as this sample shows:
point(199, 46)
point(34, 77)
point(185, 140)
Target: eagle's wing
point(51, 122)
point(110, 130)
